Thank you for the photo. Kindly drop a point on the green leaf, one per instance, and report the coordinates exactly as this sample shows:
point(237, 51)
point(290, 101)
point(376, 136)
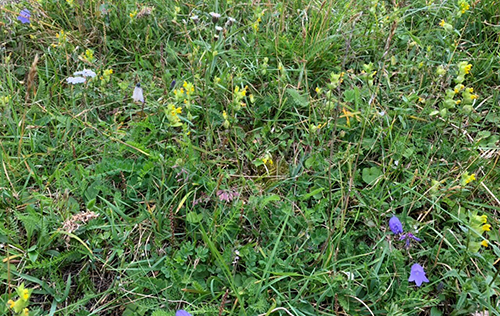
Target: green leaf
point(193, 217)
point(371, 174)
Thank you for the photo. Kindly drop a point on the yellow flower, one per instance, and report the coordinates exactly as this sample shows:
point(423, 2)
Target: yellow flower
point(133, 14)
point(26, 294)
point(473, 96)
point(442, 23)
point(486, 227)
point(267, 161)
point(108, 72)
point(467, 69)
point(467, 178)
point(11, 303)
point(483, 218)
point(484, 243)
point(26, 312)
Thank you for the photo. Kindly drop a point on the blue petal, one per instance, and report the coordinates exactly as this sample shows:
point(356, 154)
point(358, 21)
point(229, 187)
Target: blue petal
point(182, 312)
point(395, 225)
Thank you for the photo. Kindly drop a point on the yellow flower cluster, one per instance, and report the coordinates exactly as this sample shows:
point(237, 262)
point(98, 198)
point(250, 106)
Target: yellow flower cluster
point(61, 39)
point(467, 178)
point(464, 6)
point(238, 96)
point(448, 27)
point(172, 113)
point(106, 76)
point(20, 306)
point(479, 224)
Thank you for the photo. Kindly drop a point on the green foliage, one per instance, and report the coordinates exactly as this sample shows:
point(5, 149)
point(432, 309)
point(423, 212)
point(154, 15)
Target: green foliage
point(258, 177)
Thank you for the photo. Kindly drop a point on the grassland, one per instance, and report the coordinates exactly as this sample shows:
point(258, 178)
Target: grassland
point(258, 174)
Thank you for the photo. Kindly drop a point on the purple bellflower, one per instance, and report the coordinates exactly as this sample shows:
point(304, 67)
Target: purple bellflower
point(182, 312)
point(24, 16)
point(409, 237)
point(417, 275)
point(395, 225)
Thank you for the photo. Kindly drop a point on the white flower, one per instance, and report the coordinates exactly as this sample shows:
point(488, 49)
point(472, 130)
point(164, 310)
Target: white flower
point(215, 16)
point(85, 73)
point(218, 28)
point(75, 80)
point(230, 21)
point(138, 96)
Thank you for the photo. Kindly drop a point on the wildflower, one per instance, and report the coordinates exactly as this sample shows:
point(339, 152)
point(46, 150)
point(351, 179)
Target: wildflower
point(227, 195)
point(318, 90)
point(61, 35)
point(195, 19)
point(448, 27)
point(486, 227)
point(218, 28)
point(85, 73)
point(215, 16)
point(172, 113)
point(138, 95)
point(189, 87)
point(417, 274)
point(230, 21)
point(458, 88)
point(267, 160)
point(26, 294)
point(75, 80)
point(226, 123)
point(89, 56)
point(24, 16)
point(409, 237)
point(133, 14)
point(11, 303)
point(467, 69)
point(108, 72)
point(26, 312)
point(4, 100)
point(395, 225)
point(483, 218)
point(464, 6)
point(484, 243)
point(466, 178)
point(182, 312)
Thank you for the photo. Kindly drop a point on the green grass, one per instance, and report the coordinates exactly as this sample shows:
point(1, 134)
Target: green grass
point(265, 190)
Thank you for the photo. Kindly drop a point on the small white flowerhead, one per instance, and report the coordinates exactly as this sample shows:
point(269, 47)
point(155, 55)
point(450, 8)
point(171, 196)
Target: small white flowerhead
point(218, 28)
point(85, 73)
point(195, 19)
point(75, 80)
point(215, 16)
point(138, 95)
point(230, 21)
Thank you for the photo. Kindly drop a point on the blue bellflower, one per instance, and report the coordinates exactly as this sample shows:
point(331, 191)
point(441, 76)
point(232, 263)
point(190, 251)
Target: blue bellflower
point(395, 225)
point(24, 16)
point(417, 274)
point(182, 312)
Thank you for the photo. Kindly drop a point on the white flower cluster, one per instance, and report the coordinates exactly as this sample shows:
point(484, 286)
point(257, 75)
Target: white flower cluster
point(77, 79)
